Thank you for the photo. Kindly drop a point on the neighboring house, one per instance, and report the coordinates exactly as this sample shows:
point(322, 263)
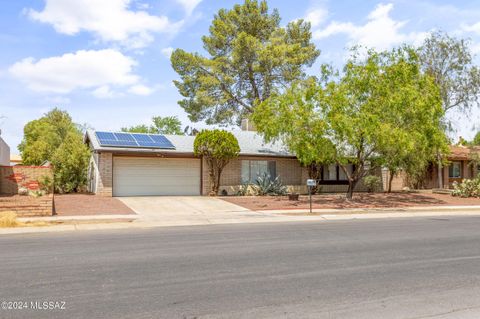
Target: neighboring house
point(120, 167)
point(459, 167)
point(4, 153)
point(15, 159)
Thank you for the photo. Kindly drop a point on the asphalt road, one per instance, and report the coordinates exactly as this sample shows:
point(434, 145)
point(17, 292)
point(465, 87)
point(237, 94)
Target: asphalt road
point(391, 268)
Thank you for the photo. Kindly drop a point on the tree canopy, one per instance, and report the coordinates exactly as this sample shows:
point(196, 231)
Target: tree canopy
point(160, 125)
point(55, 138)
point(380, 107)
point(217, 147)
point(250, 57)
point(449, 62)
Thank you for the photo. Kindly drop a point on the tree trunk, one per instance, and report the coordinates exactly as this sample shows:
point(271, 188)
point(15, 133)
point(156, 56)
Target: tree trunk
point(314, 173)
point(351, 188)
point(439, 171)
point(390, 179)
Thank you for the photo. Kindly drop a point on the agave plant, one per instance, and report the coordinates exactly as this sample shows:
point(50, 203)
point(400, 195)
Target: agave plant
point(264, 185)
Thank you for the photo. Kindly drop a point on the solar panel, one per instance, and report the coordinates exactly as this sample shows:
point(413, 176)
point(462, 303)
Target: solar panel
point(124, 137)
point(142, 138)
point(162, 140)
point(137, 140)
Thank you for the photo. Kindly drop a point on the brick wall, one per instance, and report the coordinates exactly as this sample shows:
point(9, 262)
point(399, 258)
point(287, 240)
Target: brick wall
point(399, 181)
point(27, 206)
point(14, 177)
point(288, 169)
point(105, 174)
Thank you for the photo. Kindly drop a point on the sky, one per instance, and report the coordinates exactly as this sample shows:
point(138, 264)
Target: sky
point(107, 62)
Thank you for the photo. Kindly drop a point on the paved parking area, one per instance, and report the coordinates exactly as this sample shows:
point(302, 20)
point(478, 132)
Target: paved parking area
point(188, 210)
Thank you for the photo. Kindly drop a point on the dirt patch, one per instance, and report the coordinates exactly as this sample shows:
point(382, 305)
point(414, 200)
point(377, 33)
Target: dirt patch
point(86, 204)
point(360, 200)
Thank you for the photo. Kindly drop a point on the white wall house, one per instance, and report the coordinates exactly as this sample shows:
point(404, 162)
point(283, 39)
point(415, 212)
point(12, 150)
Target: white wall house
point(4, 153)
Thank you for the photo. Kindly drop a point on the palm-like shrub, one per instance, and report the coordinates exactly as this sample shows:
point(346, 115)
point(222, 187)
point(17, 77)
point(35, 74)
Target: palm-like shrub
point(265, 185)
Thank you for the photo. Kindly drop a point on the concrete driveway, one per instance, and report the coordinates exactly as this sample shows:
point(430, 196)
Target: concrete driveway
point(189, 210)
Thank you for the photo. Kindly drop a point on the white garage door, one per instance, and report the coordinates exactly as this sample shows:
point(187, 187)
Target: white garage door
point(142, 176)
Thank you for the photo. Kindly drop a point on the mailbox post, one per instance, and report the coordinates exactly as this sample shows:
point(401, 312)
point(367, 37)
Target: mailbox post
point(311, 183)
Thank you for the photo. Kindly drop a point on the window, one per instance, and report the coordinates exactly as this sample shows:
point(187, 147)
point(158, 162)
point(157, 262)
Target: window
point(251, 169)
point(334, 174)
point(330, 172)
point(341, 174)
point(455, 170)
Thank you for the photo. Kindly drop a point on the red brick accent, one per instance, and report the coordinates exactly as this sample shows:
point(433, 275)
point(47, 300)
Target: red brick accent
point(14, 177)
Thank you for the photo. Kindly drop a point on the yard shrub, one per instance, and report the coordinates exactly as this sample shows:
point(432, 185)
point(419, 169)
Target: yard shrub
point(372, 183)
point(467, 188)
point(8, 219)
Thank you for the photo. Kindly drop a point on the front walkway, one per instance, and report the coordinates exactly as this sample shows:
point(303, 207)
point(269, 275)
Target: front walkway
point(188, 210)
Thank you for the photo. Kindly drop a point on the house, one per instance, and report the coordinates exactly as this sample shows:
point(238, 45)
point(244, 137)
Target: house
point(124, 164)
point(4, 153)
point(459, 167)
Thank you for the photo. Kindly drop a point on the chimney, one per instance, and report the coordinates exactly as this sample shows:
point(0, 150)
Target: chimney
point(247, 125)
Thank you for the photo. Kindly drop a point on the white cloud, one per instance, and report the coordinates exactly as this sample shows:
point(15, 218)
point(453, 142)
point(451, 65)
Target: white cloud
point(140, 89)
point(103, 92)
point(380, 31)
point(109, 20)
point(475, 28)
point(167, 52)
point(189, 5)
point(316, 16)
point(79, 70)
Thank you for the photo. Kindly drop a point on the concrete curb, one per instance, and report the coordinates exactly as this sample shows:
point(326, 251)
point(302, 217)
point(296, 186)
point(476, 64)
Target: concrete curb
point(344, 211)
point(262, 217)
point(80, 218)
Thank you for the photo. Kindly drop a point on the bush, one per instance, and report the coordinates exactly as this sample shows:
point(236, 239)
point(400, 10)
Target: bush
point(372, 183)
point(264, 185)
point(46, 184)
point(467, 188)
point(8, 219)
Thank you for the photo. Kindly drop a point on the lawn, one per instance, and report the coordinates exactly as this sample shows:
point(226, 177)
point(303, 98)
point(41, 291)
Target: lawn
point(360, 200)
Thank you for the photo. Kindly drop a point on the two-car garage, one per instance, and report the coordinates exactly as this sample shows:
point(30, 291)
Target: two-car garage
point(150, 176)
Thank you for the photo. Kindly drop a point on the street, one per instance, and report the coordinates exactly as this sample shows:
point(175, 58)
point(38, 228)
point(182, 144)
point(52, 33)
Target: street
point(389, 268)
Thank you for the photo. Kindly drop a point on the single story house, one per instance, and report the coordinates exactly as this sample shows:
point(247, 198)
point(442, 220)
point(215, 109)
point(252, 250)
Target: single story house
point(130, 164)
point(459, 167)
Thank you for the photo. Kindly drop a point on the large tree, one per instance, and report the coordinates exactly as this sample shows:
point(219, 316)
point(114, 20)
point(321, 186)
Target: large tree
point(379, 104)
point(449, 61)
point(160, 125)
point(55, 138)
point(249, 57)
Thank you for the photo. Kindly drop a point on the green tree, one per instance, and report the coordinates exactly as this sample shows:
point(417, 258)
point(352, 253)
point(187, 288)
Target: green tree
point(70, 162)
point(449, 61)
point(476, 139)
point(161, 125)
point(55, 138)
point(217, 147)
point(362, 116)
point(250, 57)
point(297, 117)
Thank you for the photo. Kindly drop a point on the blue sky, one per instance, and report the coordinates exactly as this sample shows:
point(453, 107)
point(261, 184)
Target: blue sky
point(107, 62)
